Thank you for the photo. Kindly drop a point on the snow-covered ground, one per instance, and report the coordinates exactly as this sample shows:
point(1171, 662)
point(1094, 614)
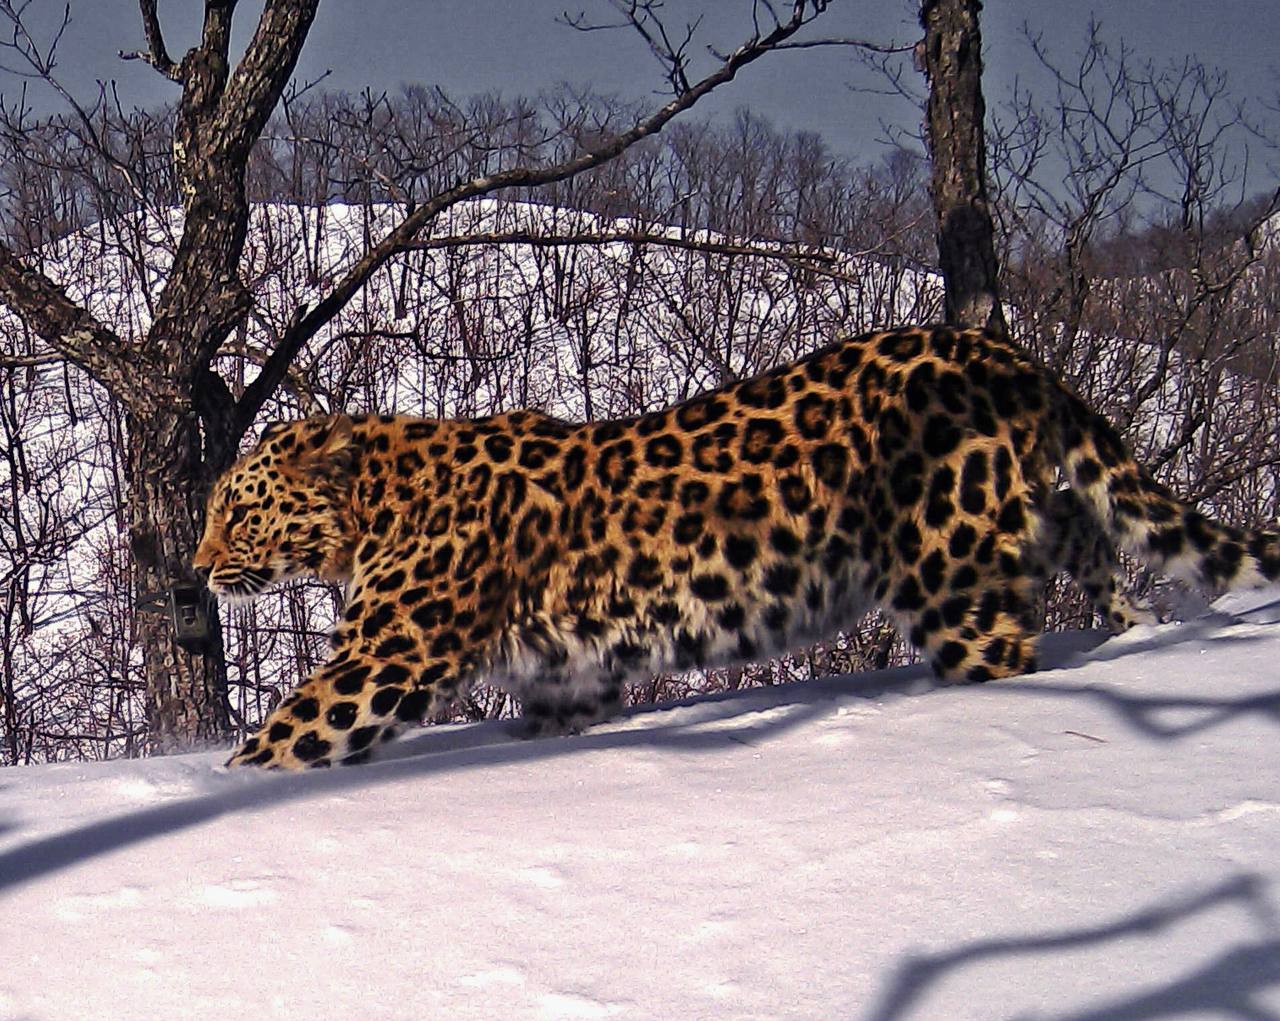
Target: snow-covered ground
point(1101, 841)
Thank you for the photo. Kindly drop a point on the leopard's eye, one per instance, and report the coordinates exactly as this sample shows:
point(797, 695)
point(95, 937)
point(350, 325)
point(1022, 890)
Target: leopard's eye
point(237, 515)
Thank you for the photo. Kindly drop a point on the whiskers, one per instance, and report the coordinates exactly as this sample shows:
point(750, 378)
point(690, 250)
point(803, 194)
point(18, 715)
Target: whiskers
point(241, 585)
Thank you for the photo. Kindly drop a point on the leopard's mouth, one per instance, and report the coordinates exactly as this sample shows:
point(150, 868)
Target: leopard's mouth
point(241, 584)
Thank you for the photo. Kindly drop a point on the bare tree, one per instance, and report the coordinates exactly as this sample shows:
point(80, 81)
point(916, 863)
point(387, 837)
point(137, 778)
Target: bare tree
point(951, 57)
point(183, 421)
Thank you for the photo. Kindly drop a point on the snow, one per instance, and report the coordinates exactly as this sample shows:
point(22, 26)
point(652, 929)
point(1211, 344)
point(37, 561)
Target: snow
point(579, 333)
point(1095, 842)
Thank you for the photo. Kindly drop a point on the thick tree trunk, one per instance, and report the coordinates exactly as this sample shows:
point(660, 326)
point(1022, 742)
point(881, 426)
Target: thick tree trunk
point(952, 61)
point(186, 692)
point(166, 381)
point(219, 118)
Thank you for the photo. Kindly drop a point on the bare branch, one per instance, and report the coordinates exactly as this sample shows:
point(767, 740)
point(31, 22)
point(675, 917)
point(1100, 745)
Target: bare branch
point(39, 61)
point(155, 54)
point(30, 361)
point(55, 318)
point(621, 237)
point(313, 320)
point(858, 44)
point(259, 79)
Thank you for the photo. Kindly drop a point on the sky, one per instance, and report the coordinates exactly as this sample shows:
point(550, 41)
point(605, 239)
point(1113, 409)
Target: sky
point(518, 46)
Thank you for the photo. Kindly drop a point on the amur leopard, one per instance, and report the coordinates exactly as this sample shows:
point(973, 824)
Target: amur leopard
point(919, 470)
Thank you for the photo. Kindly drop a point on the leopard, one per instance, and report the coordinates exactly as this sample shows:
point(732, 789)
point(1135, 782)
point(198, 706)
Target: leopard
point(940, 474)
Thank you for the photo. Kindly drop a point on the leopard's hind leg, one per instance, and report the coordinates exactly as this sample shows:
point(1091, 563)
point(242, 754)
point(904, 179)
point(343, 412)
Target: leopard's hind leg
point(555, 705)
point(967, 590)
point(981, 627)
point(1074, 541)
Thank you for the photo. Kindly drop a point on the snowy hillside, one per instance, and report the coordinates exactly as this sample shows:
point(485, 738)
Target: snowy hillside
point(1099, 841)
point(581, 332)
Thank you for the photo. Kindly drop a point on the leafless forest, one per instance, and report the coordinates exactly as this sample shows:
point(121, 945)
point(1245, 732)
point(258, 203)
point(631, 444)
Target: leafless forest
point(1139, 251)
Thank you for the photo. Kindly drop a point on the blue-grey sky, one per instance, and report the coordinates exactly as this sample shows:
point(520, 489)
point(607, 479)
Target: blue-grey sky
point(517, 46)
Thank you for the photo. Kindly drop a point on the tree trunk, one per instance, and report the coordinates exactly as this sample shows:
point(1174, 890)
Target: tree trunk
point(952, 61)
point(166, 380)
point(186, 693)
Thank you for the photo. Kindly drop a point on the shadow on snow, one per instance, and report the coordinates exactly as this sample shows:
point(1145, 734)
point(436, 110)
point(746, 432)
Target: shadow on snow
point(454, 749)
point(1228, 986)
point(436, 750)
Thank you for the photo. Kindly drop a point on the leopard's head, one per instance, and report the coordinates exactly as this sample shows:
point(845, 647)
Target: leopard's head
point(282, 511)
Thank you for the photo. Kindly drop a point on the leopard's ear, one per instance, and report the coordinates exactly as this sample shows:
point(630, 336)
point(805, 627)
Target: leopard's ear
point(272, 430)
point(334, 435)
point(329, 444)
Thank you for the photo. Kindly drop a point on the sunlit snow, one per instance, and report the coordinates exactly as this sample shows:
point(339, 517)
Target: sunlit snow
point(1095, 842)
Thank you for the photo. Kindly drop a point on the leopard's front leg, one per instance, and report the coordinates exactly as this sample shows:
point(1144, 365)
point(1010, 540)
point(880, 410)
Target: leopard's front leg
point(393, 663)
point(338, 714)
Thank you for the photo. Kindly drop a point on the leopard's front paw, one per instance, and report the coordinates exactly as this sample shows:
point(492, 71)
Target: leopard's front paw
point(279, 747)
point(253, 753)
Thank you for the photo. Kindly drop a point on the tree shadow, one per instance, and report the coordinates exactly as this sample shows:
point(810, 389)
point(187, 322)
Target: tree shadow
point(1229, 985)
point(458, 749)
point(1209, 628)
point(1143, 712)
point(447, 749)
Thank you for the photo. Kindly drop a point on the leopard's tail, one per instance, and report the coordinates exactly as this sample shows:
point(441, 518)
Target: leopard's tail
point(1147, 521)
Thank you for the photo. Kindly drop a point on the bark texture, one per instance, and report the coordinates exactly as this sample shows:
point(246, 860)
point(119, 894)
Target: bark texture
point(186, 702)
point(184, 423)
point(952, 62)
point(181, 417)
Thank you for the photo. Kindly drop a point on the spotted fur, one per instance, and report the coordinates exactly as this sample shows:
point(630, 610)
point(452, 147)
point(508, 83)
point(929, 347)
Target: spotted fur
point(916, 470)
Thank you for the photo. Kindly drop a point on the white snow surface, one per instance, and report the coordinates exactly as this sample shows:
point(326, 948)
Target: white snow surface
point(1099, 841)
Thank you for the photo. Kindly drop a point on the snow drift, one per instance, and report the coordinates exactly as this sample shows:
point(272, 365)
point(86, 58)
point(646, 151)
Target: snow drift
point(1097, 841)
